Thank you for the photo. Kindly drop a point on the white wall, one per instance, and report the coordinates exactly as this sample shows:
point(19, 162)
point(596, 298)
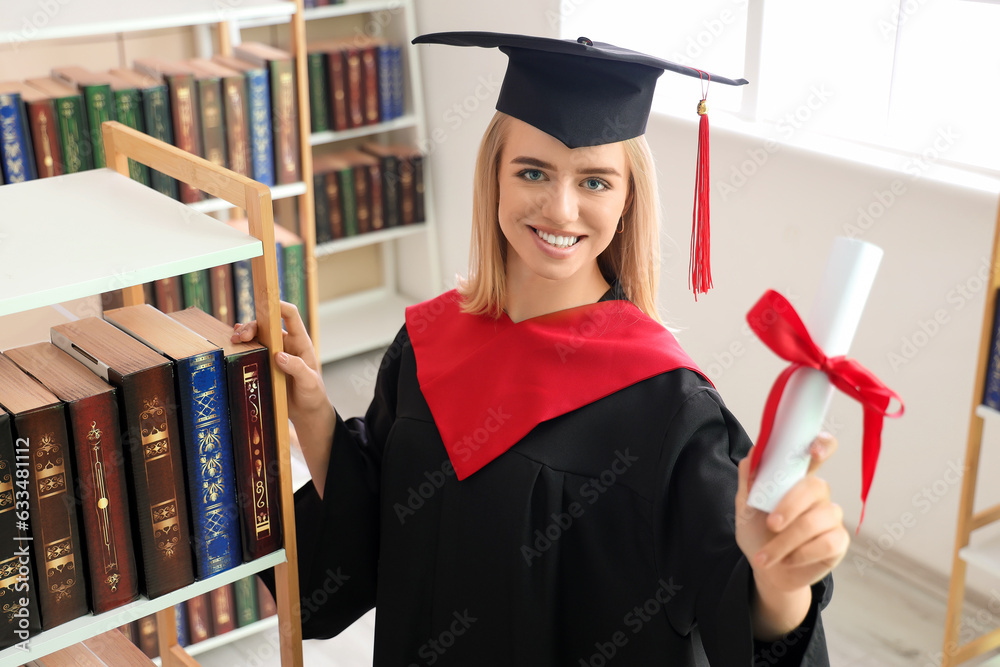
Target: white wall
point(774, 231)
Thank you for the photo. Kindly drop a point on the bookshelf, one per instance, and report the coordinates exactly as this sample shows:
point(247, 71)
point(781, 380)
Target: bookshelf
point(985, 554)
point(122, 216)
point(410, 270)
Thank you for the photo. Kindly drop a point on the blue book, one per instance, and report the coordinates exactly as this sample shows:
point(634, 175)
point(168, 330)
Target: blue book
point(397, 81)
point(15, 141)
point(200, 377)
point(991, 390)
point(279, 254)
point(386, 109)
point(243, 286)
point(181, 619)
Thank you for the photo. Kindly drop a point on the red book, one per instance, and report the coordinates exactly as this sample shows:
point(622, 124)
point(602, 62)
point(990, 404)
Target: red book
point(223, 606)
point(369, 67)
point(148, 640)
point(353, 77)
point(92, 407)
point(152, 445)
point(223, 293)
point(169, 294)
point(255, 452)
point(44, 126)
point(265, 601)
point(199, 618)
point(40, 423)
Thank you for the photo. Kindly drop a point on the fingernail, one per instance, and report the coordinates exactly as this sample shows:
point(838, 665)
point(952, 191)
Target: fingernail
point(282, 358)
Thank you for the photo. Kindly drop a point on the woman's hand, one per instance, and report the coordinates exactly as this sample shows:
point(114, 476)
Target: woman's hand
point(791, 548)
point(309, 407)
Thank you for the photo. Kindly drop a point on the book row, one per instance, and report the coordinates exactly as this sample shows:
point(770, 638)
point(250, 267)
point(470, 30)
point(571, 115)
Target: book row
point(226, 291)
point(359, 191)
point(137, 454)
point(354, 82)
point(208, 615)
point(240, 112)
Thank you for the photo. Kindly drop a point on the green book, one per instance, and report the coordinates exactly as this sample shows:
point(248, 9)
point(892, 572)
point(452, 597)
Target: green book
point(197, 290)
point(293, 254)
point(319, 94)
point(245, 590)
point(348, 201)
point(96, 89)
point(72, 123)
point(155, 119)
point(128, 110)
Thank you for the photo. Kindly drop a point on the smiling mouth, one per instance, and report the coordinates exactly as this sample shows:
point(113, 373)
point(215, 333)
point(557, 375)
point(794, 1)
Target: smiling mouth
point(556, 241)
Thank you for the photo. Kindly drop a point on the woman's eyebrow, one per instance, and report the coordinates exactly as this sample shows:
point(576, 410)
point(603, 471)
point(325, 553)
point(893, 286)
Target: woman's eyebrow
point(541, 164)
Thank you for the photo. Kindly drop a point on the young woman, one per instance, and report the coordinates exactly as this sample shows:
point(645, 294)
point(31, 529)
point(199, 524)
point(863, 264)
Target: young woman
point(543, 476)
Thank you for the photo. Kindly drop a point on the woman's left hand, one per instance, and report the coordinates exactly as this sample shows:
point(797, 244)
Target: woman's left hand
point(802, 540)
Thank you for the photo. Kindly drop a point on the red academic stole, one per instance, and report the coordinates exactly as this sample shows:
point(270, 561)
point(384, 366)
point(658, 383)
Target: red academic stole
point(489, 382)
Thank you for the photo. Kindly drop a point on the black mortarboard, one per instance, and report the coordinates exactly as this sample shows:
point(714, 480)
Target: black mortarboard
point(587, 93)
point(581, 92)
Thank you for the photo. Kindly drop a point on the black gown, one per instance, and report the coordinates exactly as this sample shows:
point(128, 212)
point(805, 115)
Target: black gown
point(605, 536)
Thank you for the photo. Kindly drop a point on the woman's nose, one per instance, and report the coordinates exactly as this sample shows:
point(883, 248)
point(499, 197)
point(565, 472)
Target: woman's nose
point(560, 204)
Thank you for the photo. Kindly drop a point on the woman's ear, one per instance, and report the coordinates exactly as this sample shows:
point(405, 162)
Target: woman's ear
point(630, 197)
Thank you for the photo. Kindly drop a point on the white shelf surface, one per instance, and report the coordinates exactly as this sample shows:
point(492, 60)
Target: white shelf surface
point(74, 235)
point(368, 238)
point(985, 411)
point(985, 556)
point(359, 323)
point(330, 136)
point(79, 629)
point(348, 8)
point(29, 20)
point(277, 192)
point(228, 637)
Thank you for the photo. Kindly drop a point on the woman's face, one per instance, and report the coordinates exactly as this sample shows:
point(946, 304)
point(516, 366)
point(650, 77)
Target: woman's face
point(559, 207)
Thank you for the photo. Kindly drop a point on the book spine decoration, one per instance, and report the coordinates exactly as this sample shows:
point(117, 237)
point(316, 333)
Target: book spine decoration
point(100, 107)
point(185, 121)
point(338, 90)
point(221, 279)
point(375, 196)
point(213, 134)
point(114, 579)
point(237, 113)
point(15, 149)
point(148, 640)
point(322, 209)
point(991, 390)
point(243, 289)
point(169, 294)
point(72, 135)
point(262, 148)
point(285, 121)
point(156, 114)
point(197, 290)
point(128, 110)
point(336, 207)
point(369, 67)
point(407, 192)
point(348, 201)
point(245, 593)
point(390, 190)
point(62, 593)
point(19, 617)
point(209, 455)
point(318, 92)
point(386, 110)
point(255, 452)
point(45, 131)
point(397, 81)
point(295, 272)
point(361, 202)
point(223, 609)
point(353, 76)
point(199, 622)
point(181, 621)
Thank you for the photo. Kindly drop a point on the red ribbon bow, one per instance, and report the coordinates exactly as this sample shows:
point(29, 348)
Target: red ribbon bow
point(776, 323)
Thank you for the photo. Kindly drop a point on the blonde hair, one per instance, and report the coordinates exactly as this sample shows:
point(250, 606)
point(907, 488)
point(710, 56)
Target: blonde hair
point(632, 257)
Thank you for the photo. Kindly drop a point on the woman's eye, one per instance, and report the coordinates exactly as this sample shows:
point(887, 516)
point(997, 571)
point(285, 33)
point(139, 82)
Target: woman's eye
point(531, 174)
point(595, 184)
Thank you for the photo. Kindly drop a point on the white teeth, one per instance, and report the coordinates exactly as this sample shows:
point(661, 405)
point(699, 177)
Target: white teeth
point(557, 241)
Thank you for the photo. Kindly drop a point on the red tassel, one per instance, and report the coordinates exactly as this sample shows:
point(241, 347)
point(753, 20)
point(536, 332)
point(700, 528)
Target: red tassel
point(701, 269)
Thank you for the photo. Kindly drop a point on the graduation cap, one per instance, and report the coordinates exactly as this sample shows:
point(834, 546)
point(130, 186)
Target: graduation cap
point(587, 93)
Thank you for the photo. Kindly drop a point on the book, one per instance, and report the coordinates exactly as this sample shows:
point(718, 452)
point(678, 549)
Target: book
point(265, 601)
point(128, 111)
point(328, 166)
point(223, 609)
point(19, 618)
point(39, 421)
point(245, 594)
point(243, 291)
point(319, 94)
point(101, 489)
point(16, 157)
point(390, 161)
point(169, 293)
point(258, 96)
point(205, 432)
point(293, 267)
point(96, 90)
point(147, 407)
point(235, 113)
point(71, 118)
point(336, 72)
point(353, 82)
point(284, 106)
point(199, 618)
point(991, 388)
point(255, 450)
point(396, 78)
point(148, 641)
point(197, 290)
point(321, 209)
point(181, 621)
point(183, 112)
point(385, 80)
point(369, 77)
point(42, 126)
point(367, 190)
point(156, 120)
point(208, 84)
point(222, 290)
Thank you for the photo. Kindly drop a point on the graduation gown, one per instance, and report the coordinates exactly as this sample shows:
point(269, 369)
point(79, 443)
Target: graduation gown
point(605, 533)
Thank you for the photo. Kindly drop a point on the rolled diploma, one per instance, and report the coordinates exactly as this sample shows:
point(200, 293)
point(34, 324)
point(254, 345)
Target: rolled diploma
point(832, 322)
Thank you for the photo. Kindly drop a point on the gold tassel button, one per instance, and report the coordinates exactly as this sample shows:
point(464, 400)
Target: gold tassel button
point(702, 108)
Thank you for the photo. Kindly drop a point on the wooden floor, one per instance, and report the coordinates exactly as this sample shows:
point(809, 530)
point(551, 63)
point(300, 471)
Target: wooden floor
point(889, 615)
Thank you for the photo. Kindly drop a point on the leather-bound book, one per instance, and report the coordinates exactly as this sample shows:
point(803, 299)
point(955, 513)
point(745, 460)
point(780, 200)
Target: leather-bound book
point(321, 208)
point(294, 267)
point(199, 618)
point(235, 112)
point(329, 166)
point(205, 432)
point(245, 594)
point(148, 640)
point(156, 120)
point(169, 293)
point(265, 601)
point(208, 83)
point(184, 111)
point(258, 97)
point(181, 621)
point(16, 158)
point(319, 90)
point(243, 291)
point(389, 160)
point(221, 280)
point(255, 451)
point(43, 127)
point(223, 607)
point(369, 82)
point(101, 489)
point(336, 71)
point(354, 82)
point(367, 190)
point(284, 106)
point(384, 54)
point(18, 604)
point(152, 443)
point(128, 111)
point(40, 423)
point(96, 90)
point(71, 118)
